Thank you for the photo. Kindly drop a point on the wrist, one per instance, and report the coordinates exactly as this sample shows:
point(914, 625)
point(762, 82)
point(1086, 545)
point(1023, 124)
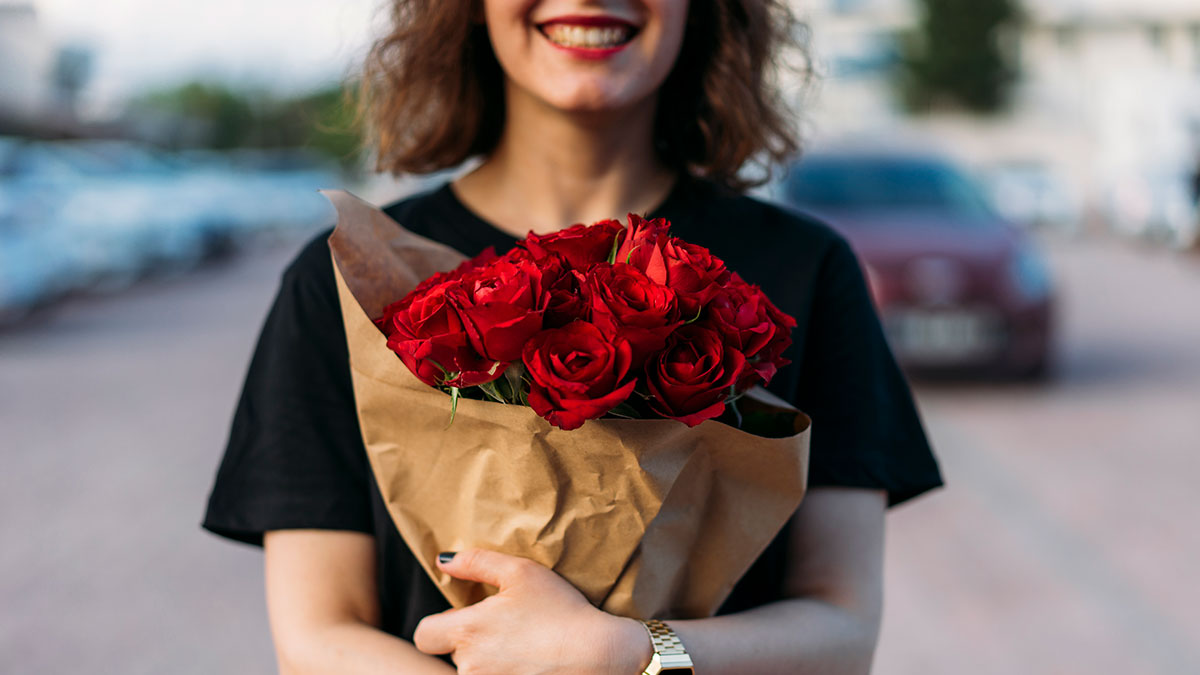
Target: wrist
point(630, 647)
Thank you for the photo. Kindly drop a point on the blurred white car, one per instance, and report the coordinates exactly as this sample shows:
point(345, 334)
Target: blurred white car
point(1033, 195)
point(1156, 205)
point(120, 210)
point(35, 270)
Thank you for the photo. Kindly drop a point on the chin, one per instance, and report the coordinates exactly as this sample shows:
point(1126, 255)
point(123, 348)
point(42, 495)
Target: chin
point(586, 98)
point(586, 104)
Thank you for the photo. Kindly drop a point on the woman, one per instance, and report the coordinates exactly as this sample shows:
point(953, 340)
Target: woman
point(580, 110)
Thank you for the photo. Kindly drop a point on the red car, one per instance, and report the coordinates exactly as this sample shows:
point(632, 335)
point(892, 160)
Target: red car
point(958, 289)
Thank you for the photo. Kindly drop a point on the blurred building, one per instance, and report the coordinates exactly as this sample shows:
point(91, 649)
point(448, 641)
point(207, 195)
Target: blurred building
point(1109, 94)
point(1117, 82)
point(26, 58)
point(39, 80)
point(855, 44)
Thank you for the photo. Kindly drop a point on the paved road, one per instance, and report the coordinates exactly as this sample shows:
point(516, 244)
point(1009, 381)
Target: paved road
point(1066, 543)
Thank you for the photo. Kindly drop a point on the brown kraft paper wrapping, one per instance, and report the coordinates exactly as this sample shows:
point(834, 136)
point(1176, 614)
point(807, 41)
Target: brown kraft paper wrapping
point(647, 518)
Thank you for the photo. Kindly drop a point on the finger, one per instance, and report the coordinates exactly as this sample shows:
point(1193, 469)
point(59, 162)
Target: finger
point(440, 633)
point(489, 567)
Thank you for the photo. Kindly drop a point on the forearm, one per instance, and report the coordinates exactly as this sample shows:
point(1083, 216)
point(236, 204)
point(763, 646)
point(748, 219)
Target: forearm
point(790, 637)
point(352, 648)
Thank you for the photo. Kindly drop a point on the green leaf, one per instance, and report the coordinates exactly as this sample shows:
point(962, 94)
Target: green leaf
point(445, 373)
point(505, 390)
point(490, 389)
point(612, 255)
point(629, 256)
point(515, 376)
point(454, 394)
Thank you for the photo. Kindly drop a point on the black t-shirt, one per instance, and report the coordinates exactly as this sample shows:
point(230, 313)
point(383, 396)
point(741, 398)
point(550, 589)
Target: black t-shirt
point(295, 457)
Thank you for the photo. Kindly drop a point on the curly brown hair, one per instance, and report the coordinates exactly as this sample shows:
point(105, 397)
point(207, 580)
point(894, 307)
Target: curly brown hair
point(432, 91)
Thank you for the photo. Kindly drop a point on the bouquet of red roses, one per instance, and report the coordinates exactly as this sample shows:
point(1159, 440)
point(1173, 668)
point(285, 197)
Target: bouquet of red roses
point(626, 327)
point(593, 320)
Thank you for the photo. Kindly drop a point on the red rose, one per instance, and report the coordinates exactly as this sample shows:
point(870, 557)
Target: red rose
point(501, 305)
point(690, 379)
point(581, 245)
point(768, 361)
point(428, 334)
point(566, 302)
point(641, 246)
point(626, 303)
point(487, 256)
point(694, 273)
point(739, 312)
point(562, 285)
point(753, 325)
point(578, 374)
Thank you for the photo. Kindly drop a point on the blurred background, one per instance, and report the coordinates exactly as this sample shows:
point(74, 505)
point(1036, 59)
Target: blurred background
point(1020, 180)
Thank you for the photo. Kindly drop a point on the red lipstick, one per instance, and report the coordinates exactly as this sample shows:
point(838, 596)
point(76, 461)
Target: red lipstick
point(589, 20)
point(588, 36)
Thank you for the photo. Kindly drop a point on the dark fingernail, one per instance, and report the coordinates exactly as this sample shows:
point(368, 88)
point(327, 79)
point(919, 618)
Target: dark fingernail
point(446, 557)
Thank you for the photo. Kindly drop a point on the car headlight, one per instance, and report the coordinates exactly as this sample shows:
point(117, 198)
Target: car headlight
point(1029, 275)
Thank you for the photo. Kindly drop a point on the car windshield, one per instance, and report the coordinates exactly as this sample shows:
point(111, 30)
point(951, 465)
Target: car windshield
point(884, 184)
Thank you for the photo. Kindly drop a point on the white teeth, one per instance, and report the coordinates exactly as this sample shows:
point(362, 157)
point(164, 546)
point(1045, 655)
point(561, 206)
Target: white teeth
point(592, 37)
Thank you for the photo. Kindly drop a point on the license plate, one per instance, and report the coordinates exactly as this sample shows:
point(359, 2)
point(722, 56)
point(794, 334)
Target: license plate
point(942, 336)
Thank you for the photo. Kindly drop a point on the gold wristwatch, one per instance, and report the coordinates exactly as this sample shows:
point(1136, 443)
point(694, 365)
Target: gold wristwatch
point(669, 654)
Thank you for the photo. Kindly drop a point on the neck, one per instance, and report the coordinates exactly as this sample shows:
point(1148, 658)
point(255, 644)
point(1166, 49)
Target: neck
point(551, 169)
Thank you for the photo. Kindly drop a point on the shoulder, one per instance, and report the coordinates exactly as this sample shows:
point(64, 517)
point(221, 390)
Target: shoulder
point(312, 263)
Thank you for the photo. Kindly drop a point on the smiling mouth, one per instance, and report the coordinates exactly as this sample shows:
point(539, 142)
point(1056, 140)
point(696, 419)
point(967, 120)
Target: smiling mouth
point(598, 33)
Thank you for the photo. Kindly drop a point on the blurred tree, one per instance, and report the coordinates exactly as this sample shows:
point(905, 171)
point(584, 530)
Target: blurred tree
point(323, 121)
point(228, 116)
point(959, 56)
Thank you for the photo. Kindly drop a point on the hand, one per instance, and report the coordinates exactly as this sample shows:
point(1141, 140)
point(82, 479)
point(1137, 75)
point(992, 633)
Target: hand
point(536, 624)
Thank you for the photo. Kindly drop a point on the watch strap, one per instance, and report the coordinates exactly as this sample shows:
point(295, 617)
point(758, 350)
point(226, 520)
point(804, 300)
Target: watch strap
point(669, 653)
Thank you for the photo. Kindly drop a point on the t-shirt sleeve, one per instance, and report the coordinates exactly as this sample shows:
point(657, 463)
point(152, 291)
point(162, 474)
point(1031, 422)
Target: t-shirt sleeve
point(295, 458)
point(866, 429)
